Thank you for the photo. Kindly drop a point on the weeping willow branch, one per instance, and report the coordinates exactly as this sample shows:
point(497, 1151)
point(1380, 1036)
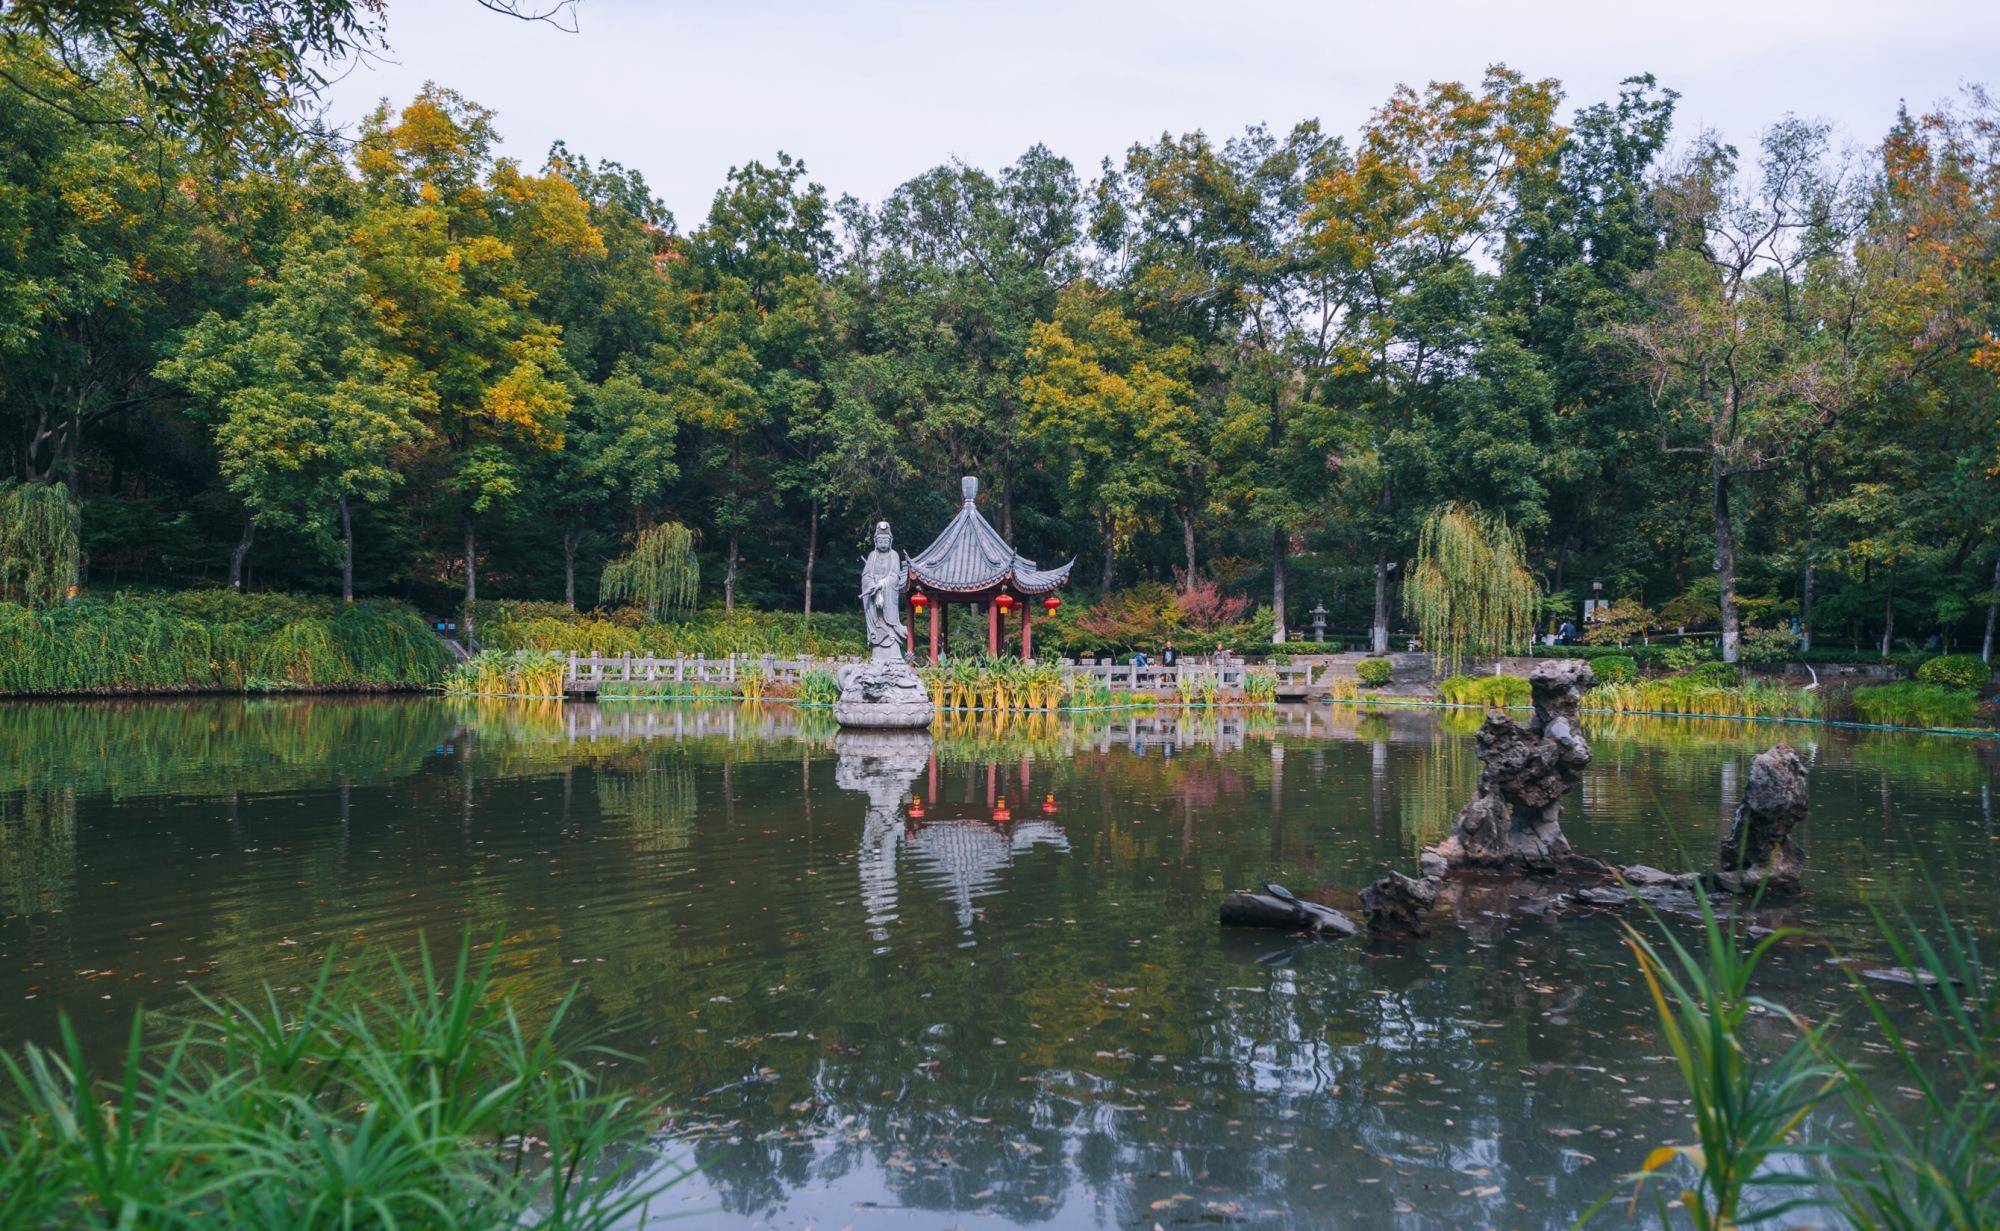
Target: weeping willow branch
point(1469, 589)
point(39, 544)
point(661, 573)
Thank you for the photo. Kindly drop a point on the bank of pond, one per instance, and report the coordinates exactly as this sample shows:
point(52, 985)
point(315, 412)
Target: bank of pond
point(222, 642)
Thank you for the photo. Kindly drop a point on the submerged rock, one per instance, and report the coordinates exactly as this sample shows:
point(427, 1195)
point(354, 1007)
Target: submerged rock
point(1277, 907)
point(1759, 851)
point(1394, 906)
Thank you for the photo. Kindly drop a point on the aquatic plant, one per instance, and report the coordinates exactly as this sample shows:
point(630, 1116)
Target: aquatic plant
point(39, 543)
point(1693, 694)
point(1911, 704)
point(1260, 687)
point(1374, 672)
point(1469, 589)
point(818, 687)
point(408, 1095)
point(1746, 1105)
point(215, 641)
point(495, 673)
point(1342, 688)
point(661, 573)
point(1501, 690)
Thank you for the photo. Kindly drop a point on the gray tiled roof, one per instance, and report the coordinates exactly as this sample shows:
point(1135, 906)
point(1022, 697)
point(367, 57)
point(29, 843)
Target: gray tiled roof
point(971, 556)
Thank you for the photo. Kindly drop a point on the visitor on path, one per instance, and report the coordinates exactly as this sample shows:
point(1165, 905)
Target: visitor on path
point(1170, 657)
point(1139, 658)
point(1566, 634)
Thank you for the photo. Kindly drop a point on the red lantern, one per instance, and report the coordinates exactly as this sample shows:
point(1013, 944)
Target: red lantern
point(1004, 602)
point(916, 809)
point(1001, 812)
point(920, 600)
point(1050, 604)
point(1049, 805)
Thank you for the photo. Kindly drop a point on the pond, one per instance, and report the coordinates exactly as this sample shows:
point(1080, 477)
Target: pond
point(974, 982)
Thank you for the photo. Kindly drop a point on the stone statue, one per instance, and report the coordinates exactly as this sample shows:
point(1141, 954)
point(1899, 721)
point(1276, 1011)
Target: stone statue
point(884, 576)
point(883, 692)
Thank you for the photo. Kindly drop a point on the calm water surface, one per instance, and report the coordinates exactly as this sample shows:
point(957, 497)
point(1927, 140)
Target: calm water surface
point(974, 983)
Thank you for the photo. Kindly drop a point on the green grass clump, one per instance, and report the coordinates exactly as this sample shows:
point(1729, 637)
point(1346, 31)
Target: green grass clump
point(709, 634)
point(1698, 693)
point(1615, 668)
point(1967, 671)
point(818, 687)
point(1501, 690)
point(417, 1099)
point(1260, 687)
point(1374, 672)
point(496, 673)
point(215, 641)
point(1909, 704)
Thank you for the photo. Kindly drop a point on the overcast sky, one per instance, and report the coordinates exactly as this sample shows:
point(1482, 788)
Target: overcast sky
point(870, 93)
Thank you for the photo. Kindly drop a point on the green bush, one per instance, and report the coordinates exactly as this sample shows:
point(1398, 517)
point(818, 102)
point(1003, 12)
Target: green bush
point(1615, 669)
point(420, 1099)
point(1716, 674)
point(1501, 690)
point(1911, 704)
point(215, 641)
point(1374, 672)
point(1955, 671)
point(713, 634)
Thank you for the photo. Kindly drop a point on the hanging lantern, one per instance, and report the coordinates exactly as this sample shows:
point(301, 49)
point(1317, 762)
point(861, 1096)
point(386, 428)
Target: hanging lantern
point(920, 600)
point(1005, 603)
point(916, 809)
point(1050, 604)
point(1001, 812)
point(1049, 805)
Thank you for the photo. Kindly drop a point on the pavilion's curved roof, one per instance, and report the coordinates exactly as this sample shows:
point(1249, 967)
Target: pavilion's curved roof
point(970, 556)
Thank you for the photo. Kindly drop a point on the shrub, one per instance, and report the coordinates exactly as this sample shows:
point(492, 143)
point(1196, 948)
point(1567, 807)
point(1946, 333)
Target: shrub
point(1501, 690)
point(1716, 674)
point(1615, 668)
point(1374, 672)
point(422, 1099)
point(1685, 657)
point(1955, 671)
point(1910, 704)
point(626, 630)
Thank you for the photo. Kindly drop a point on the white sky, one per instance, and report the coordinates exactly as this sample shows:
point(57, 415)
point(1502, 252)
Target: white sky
point(871, 93)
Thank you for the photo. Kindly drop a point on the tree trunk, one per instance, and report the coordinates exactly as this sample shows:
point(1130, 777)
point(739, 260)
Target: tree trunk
point(729, 576)
point(241, 553)
point(812, 552)
point(346, 552)
point(1187, 542)
point(1889, 613)
point(1378, 633)
point(1992, 615)
point(1806, 602)
point(1279, 544)
point(471, 585)
point(570, 535)
point(1725, 561)
point(1110, 559)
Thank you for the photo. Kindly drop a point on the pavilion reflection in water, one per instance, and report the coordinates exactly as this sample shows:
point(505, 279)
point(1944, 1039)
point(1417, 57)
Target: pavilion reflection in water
point(958, 847)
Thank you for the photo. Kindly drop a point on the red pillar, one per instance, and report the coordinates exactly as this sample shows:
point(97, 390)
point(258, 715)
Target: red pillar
point(992, 630)
point(910, 636)
point(937, 609)
point(1027, 631)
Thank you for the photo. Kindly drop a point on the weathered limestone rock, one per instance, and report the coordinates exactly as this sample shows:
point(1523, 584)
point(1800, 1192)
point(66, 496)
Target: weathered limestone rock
point(1394, 906)
point(1514, 821)
point(1759, 851)
point(1276, 907)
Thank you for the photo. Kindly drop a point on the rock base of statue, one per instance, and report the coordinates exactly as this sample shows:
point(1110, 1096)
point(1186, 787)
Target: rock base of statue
point(882, 694)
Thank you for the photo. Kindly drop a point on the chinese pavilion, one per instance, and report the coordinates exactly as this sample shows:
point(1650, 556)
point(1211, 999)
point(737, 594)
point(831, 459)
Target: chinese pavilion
point(971, 563)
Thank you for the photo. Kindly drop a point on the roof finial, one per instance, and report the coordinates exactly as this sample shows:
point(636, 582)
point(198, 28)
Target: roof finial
point(970, 486)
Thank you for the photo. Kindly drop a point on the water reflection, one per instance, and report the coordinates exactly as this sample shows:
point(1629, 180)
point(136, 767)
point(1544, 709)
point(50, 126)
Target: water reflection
point(970, 975)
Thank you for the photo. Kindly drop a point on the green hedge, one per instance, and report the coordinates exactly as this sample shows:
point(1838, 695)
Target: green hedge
point(1966, 671)
point(215, 641)
point(514, 626)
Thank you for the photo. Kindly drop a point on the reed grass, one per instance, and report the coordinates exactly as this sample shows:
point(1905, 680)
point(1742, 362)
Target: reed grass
point(1500, 690)
point(409, 1096)
point(496, 673)
point(1695, 695)
point(215, 642)
point(1910, 704)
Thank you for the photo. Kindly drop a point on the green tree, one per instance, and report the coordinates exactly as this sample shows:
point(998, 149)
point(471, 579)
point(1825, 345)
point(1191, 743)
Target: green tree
point(311, 409)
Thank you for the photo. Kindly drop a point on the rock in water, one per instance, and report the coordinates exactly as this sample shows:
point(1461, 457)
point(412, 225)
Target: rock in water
point(1394, 906)
point(1248, 909)
point(1759, 850)
point(1514, 821)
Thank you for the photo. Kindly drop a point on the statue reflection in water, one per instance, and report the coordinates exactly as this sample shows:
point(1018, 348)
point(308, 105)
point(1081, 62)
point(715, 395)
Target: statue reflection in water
point(962, 856)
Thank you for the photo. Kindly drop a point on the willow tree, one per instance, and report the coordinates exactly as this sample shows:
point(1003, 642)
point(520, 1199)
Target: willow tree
point(661, 573)
point(39, 537)
point(1469, 588)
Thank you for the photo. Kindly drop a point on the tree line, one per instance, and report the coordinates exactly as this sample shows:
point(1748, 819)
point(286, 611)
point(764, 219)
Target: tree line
point(1745, 388)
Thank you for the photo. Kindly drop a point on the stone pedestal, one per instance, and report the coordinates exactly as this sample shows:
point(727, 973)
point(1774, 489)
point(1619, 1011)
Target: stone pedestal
point(882, 694)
